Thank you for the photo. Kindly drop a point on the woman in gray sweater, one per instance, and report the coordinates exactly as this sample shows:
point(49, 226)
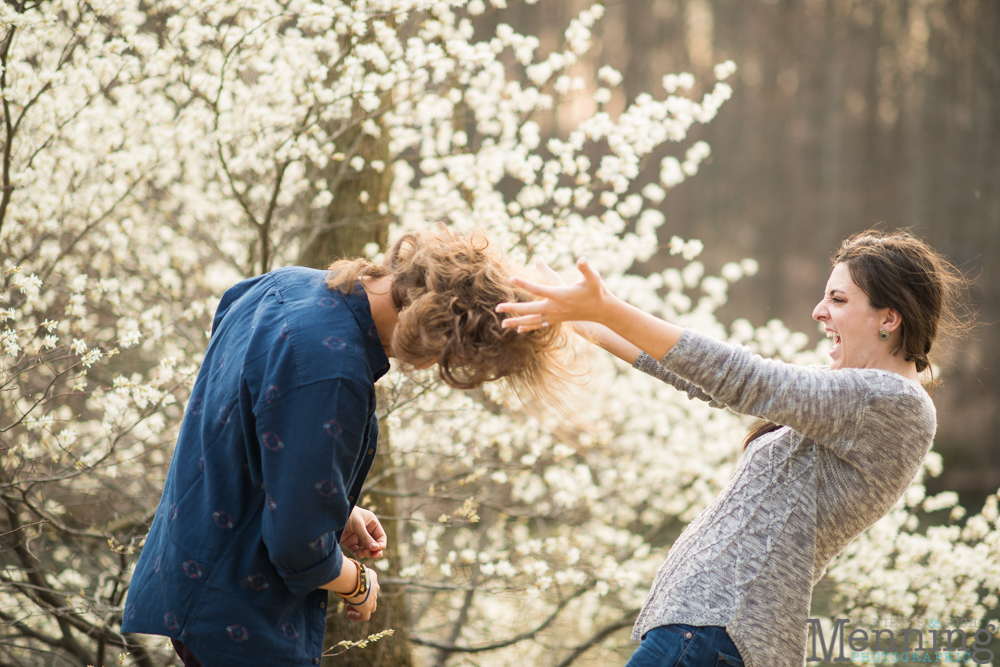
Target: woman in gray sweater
point(839, 446)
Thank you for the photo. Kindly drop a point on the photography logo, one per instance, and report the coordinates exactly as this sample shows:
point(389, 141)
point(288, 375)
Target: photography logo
point(896, 643)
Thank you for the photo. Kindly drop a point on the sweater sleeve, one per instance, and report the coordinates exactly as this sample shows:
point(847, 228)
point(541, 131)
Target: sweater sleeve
point(826, 406)
point(650, 366)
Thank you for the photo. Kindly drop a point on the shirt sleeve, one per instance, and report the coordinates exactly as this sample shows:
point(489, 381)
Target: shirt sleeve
point(311, 441)
point(650, 366)
point(827, 406)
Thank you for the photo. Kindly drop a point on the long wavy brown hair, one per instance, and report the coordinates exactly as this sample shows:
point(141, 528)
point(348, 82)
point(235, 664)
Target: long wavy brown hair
point(446, 288)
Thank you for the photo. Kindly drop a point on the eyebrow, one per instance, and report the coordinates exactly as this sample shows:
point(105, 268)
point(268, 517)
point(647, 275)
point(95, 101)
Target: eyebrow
point(835, 289)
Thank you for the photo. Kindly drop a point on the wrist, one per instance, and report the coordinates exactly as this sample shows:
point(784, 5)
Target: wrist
point(358, 599)
point(611, 310)
point(362, 586)
point(348, 579)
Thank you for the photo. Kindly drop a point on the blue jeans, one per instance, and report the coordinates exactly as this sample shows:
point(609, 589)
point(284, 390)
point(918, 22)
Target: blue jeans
point(686, 646)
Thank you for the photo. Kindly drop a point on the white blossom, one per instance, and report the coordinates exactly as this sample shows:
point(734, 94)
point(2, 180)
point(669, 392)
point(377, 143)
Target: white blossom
point(176, 162)
point(724, 70)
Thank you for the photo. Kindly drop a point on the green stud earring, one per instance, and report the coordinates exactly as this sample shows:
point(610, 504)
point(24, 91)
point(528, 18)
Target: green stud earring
point(883, 335)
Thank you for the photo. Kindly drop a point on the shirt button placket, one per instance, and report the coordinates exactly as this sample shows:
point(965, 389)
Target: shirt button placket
point(322, 605)
point(315, 661)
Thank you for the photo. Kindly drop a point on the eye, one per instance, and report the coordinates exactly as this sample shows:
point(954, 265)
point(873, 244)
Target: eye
point(836, 299)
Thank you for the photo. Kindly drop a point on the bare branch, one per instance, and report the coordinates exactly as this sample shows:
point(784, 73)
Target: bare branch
point(8, 189)
point(599, 636)
point(27, 525)
point(507, 642)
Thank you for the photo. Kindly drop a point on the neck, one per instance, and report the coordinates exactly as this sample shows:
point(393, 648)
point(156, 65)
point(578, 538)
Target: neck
point(897, 365)
point(379, 291)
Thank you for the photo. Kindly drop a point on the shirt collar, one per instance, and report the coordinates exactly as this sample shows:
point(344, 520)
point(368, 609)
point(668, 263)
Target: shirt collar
point(357, 300)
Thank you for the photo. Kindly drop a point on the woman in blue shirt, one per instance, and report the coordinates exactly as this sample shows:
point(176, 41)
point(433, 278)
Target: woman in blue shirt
point(280, 433)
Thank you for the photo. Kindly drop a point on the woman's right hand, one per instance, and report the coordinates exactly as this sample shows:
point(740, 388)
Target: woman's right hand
point(591, 331)
point(589, 301)
point(582, 302)
point(364, 610)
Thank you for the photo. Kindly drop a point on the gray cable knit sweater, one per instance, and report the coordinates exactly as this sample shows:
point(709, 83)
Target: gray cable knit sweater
point(852, 441)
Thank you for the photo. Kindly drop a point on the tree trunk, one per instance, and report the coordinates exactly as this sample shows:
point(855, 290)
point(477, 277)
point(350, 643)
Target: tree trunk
point(344, 228)
point(348, 224)
point(393, 602)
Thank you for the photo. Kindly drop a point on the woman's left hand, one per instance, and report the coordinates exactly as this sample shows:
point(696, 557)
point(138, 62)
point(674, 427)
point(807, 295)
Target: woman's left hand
point(364, 535)
point(584, 301)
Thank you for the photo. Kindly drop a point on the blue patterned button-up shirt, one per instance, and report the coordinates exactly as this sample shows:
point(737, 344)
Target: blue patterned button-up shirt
point(276, 442)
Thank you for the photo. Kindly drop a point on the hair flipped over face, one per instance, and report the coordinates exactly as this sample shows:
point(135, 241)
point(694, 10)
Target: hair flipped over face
point(446, 289)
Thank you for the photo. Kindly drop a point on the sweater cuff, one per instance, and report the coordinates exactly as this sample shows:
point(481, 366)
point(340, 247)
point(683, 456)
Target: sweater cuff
point(646, 364)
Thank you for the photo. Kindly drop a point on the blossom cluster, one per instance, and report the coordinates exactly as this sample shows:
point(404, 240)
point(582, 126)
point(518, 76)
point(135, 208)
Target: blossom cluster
point(166, 149)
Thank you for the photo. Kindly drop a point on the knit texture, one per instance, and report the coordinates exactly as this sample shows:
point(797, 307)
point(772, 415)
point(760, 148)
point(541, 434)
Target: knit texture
point(852, 440)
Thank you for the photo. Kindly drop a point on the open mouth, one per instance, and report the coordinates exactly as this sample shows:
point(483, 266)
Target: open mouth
point(834, 335)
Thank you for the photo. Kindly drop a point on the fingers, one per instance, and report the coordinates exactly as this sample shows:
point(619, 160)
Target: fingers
point(524, 323)
point(536, 288)
point(361, 614)
point(588, 273)
point(365, 540)
point(379, 539)
point(362, 552)
point(523, 308)
point(364, 535)
point(550, 276)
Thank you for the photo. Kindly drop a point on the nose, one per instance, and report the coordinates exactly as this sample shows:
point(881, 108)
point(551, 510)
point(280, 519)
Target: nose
point(820, 312)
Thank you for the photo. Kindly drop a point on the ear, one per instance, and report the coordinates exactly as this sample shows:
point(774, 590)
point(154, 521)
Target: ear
point(891, 319)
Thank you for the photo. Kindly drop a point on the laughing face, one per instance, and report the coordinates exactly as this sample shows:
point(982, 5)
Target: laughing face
point(850, 320)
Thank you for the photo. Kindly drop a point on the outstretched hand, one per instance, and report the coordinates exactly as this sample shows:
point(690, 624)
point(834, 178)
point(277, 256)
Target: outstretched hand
point(363, 535)
point(583, 301)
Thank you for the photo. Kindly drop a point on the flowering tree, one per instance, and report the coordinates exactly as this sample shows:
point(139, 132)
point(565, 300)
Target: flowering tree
point(101, 307)
point(154, 153)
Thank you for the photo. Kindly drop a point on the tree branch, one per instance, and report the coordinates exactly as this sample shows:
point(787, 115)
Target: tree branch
point(599, 636)
point(507, 642)
point(463, 613)
point(8, 127)
point(43, 592)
